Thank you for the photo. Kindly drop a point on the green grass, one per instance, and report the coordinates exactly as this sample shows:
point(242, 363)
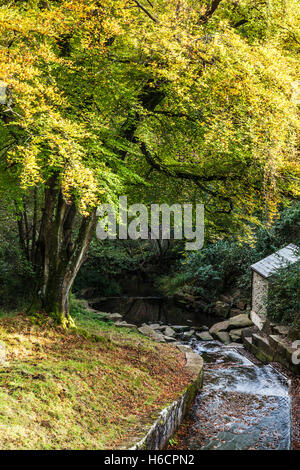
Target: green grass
point(84, 389)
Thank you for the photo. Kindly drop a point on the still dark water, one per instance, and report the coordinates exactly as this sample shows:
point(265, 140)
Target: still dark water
point(153, 309)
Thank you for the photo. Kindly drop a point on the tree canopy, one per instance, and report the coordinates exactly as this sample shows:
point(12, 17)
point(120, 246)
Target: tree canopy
point(183, 98)
point(101, 91)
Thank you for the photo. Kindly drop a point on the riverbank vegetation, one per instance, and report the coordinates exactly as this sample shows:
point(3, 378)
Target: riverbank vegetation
point(185, 101)
point(164, 102)
point(90, 388)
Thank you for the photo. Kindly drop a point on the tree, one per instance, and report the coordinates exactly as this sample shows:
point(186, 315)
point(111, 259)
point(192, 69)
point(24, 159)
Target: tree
point(108, 97)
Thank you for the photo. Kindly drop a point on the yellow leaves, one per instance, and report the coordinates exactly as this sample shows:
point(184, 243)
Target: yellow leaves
point(30, 174)
point(80, 181)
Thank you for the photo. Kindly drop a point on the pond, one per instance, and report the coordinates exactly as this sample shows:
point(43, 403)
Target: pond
point(152, 309)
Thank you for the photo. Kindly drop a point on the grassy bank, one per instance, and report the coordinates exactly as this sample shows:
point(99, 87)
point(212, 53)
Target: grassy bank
point(86, 389)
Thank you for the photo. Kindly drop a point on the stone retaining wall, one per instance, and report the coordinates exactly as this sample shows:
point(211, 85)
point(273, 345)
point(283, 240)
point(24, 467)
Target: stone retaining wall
point(157, 435)
point(271, 344)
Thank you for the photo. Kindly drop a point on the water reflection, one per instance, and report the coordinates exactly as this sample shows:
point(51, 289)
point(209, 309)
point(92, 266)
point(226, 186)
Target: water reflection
point(140, 310)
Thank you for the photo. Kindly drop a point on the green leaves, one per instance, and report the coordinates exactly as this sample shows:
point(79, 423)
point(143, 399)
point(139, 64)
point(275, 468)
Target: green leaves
point(206, 89)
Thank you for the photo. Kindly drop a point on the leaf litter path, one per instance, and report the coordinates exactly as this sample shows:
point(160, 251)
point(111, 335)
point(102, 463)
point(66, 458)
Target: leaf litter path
point(242, 405)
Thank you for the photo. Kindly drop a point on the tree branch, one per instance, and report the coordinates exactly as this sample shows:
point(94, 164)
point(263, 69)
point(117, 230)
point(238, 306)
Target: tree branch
point(213, 7)
point(138, 4)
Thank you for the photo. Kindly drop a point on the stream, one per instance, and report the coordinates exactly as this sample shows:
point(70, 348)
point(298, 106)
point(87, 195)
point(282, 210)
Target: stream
point(242, 405)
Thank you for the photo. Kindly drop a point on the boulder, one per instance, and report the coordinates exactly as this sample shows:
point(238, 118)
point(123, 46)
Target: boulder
point(188, 334)
point(281, 330)
point(235, 311)
point(155, 326)
point(146, 330)
point(224, 337)
point(236, 335)
point(180, 328)
point(194, 362)
point(258, 320)
point(184, 348)
point(204, 336)
point(170, 339)
point(124, 324)
point(168, 331)
point(221, 326)
point(240, 321)
point(247, 332)
point(158, 337)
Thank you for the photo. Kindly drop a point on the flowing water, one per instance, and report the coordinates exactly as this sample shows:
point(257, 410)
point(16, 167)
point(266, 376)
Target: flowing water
point(242, 405)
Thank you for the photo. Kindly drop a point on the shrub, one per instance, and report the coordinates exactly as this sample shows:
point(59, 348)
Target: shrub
point(284, 296)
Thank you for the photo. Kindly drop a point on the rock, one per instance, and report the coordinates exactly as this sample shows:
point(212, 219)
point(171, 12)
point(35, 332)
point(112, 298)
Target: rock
point(124, 324)
point(223, 336)
point(159, 338)
point(234, 345)
point(201, 328)
point(258, 320)
point(184, 348)
point(281, 330)
point(240, 321)
point(204, 336)
point(188, 334)
point(155, 326)
point(170, 339)
point(194, 362)
point(247, 332)
point(113, 316)
point(221, 326)
point(221, 309)
point(169, 331)
point(180, 328)
point(235, 311)
point(236, 335)
point(146, 330)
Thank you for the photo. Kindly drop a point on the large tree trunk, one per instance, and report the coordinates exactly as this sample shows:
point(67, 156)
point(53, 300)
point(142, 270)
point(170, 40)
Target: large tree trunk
point(59, 258)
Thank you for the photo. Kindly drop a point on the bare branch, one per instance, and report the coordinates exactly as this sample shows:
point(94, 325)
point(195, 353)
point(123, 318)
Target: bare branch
point(138, 4)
